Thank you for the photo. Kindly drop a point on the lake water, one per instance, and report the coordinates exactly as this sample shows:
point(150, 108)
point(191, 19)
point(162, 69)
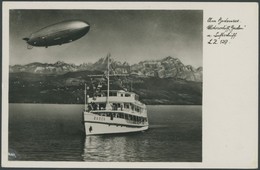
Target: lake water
point(52, 132)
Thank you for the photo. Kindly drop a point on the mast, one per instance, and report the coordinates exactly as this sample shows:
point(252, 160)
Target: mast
point(85, 95)
point(108, 106)
point(107, 77)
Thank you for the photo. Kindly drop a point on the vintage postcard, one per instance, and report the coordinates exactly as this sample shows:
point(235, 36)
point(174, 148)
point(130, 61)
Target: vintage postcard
point(120, 84)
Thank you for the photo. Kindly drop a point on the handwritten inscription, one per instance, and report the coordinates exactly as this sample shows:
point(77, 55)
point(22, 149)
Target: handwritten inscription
point(223, 30)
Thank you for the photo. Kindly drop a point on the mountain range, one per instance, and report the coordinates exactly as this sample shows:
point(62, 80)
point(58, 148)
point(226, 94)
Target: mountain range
point(168, 67)
point(165, 81)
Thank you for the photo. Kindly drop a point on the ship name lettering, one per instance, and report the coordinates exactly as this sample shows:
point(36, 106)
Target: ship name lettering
point(99, 118)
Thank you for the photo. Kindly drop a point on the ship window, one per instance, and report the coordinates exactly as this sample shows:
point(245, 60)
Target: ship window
point(126, 105)
point(112, 94)
point(127, 95)
point(122, 95)
point(115, 106)
point(132, 107)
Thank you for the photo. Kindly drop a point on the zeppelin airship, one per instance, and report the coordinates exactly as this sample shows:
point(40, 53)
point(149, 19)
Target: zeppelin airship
point(58, 34)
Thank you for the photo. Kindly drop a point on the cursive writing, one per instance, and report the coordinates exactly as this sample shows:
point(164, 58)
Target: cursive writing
point(223, 30)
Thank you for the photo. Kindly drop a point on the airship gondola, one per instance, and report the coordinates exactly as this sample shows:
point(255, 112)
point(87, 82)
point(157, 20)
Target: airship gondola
point(58, 34)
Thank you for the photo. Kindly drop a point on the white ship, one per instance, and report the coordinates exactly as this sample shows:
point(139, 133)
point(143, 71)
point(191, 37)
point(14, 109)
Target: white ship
point(114, 111)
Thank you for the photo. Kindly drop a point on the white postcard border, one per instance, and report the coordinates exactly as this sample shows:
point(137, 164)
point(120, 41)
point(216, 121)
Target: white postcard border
point(229, 131)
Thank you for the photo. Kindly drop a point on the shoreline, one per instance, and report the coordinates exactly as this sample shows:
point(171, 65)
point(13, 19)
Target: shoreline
point(83, 104)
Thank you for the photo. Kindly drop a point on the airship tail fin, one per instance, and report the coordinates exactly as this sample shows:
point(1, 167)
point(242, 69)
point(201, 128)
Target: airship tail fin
point(29, 46)
point(25, 39)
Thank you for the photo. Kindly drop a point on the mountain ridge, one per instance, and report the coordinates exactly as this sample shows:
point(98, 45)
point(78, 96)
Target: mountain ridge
point(168, 67)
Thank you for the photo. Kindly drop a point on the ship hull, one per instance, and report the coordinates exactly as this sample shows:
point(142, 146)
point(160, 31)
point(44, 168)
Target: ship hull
point(98, 125)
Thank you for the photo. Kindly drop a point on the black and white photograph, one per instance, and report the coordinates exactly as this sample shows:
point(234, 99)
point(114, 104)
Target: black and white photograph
point(121, 85)
point(105, 85)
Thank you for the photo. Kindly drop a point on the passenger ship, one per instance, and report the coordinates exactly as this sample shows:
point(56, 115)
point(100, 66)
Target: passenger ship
point(114, 111)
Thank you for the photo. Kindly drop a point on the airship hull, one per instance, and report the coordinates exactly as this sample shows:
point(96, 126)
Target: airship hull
point(58, 34)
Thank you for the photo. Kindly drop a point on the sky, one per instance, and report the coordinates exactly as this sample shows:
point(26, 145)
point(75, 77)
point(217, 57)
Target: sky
point(129, 35)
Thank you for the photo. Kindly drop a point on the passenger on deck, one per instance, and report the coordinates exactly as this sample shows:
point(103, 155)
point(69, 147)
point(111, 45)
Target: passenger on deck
point(94, 105)
point(111, 116)
point(90, 107)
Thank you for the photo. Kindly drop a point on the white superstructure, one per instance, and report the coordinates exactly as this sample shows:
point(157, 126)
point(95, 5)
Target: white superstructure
point(126, 114)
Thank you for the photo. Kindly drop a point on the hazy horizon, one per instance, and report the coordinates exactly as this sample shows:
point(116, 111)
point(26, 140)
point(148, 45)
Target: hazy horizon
point(77, 64)
point(129, 35)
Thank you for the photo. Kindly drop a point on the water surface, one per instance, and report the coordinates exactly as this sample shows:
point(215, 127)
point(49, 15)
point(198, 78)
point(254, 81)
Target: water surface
point(53, 132)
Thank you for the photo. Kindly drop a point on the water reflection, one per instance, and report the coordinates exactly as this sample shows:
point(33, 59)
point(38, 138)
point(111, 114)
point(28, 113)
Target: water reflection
point(104, 148)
